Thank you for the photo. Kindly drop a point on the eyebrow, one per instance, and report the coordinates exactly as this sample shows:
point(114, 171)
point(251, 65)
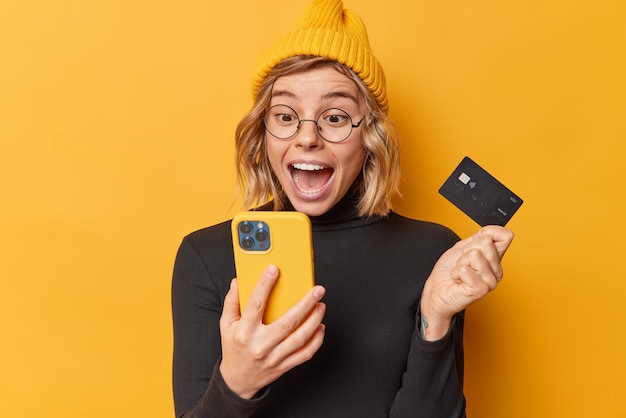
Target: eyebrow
point(327, 96)
point(340, 94)
point(283, 93)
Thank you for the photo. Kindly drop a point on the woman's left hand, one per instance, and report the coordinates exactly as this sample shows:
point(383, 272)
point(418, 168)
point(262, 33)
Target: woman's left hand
point(462, 275)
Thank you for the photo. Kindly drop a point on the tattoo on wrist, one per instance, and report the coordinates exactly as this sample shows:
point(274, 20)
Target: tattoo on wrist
point(424, 326)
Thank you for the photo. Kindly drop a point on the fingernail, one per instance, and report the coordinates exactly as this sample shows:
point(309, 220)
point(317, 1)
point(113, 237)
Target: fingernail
point(272, 269)
point(319, 292)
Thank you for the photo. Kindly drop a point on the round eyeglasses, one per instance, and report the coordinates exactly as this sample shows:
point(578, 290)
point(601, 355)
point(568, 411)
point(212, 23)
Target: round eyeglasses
point(333, 125)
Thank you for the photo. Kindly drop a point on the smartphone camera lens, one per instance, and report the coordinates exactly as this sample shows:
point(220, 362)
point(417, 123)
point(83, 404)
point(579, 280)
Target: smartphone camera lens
point(245, 228)
point(260, 236)
point(247, 243)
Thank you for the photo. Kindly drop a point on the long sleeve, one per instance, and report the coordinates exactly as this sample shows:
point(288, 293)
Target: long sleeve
point(198, 290)
point(373, 362)
point(432, 385)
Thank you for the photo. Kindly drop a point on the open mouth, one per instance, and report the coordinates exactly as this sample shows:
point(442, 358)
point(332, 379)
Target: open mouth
point(310, 178)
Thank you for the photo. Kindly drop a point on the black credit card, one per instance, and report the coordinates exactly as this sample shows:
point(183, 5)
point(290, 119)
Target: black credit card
point(479, 195)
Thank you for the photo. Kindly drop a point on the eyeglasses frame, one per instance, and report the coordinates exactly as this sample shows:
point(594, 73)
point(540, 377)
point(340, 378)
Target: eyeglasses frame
point(358, 124)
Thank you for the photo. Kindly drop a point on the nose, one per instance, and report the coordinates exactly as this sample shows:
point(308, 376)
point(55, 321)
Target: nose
point(307, 135)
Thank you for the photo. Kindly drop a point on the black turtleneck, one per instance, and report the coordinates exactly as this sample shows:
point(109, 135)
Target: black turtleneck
point(344, 210)
point(373, 362)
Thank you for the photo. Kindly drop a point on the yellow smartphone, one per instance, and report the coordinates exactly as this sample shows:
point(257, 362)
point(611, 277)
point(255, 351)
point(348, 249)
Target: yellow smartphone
point(280, 238)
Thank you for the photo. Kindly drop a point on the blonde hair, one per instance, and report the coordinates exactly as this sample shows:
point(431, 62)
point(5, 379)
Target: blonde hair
point(378, 182)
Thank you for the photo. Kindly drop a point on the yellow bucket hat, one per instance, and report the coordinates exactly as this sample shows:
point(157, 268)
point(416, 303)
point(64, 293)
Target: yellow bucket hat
point(328, 30)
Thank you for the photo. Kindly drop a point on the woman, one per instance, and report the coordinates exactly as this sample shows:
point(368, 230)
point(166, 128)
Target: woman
point(387, 339)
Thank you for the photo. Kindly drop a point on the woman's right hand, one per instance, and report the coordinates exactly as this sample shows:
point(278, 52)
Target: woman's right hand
point(255, 354)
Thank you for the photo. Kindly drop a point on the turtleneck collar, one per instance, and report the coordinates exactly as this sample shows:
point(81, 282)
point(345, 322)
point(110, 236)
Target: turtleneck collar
point(343, 215)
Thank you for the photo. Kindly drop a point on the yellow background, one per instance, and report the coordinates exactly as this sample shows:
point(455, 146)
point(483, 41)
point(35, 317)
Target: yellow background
point(116, 126)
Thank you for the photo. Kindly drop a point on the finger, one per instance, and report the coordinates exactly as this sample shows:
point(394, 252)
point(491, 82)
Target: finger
point(501, 237)
point(482, 259)
point(307, 350)
point(475, 275)
point(276, 347)
point(303, 332)
point(298, 314)
point(255, 308)
point(484, 247)
point(474, 285)
point(231, 312)
point(300, 344)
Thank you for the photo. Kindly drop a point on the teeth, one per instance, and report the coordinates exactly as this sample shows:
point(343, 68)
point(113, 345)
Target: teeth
point(308, 167)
